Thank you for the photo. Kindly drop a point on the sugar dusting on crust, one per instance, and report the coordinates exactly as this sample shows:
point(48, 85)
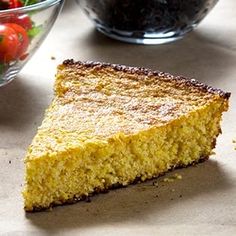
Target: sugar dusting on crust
point(108, 102)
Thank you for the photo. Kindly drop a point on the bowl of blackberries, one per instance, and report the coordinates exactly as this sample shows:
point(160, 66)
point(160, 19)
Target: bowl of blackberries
point(24, 24)
point(146, 21)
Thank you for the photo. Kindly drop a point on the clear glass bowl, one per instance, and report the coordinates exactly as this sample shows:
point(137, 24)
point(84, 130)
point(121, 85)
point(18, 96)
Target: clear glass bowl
point(22, 30)
point(146, 21)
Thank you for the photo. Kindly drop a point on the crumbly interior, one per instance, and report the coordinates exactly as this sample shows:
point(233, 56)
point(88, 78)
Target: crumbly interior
point(101, 130)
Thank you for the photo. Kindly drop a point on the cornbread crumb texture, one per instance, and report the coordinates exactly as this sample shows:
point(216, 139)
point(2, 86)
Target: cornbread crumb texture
point(108, 126)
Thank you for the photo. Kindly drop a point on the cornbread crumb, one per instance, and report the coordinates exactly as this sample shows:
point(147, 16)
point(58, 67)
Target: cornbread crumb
point(172, 178)
point(234, 141)
point(155, 183)
point(168, 180)
point(53, 58)
point(178, 176)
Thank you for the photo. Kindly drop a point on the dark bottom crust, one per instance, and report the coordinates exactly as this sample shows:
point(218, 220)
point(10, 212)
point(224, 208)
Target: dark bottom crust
point(114, 186)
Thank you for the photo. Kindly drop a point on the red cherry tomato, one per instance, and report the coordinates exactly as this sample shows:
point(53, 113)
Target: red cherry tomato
point(24, 56)
point(8, 44)
point(22, 20)
point(23, 39)
point(15, 4)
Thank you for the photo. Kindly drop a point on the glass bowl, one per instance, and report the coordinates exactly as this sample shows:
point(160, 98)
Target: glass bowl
point(22, 30)
point(146, 21)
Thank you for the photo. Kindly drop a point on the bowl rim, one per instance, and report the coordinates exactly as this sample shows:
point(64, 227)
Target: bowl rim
point(37, 6)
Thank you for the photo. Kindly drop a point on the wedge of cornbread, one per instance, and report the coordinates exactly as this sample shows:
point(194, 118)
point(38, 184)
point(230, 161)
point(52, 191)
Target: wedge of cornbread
point(110, 125)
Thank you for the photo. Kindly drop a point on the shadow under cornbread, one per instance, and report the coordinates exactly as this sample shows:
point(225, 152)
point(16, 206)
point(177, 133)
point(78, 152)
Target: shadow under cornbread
point(140, 202)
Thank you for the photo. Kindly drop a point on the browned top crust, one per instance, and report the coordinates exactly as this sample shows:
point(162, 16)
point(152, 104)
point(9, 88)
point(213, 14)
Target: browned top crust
point(95, 102)
point(148, 72)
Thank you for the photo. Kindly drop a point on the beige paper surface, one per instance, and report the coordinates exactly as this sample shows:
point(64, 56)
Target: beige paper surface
point(202, 203)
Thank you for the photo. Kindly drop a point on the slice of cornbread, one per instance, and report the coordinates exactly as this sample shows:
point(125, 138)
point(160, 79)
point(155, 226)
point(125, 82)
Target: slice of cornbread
point(110, 125)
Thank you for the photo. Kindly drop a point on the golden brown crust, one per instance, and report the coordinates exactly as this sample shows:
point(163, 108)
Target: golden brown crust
point(76, 199)
point(144, 71)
